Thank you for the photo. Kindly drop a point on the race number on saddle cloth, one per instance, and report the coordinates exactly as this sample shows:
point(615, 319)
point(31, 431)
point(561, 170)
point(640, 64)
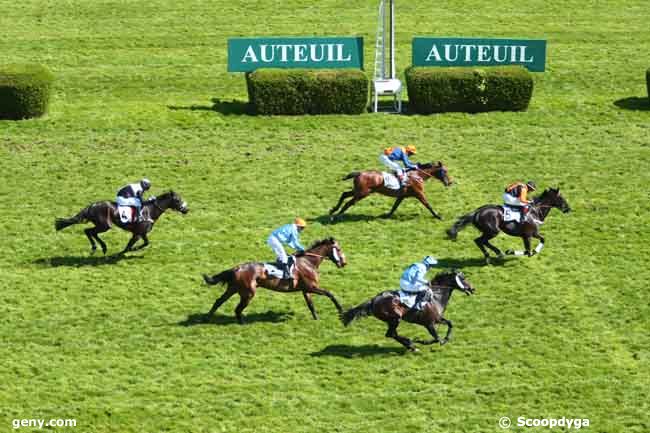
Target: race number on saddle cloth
point(515, 199)
point(288, 234)
point(129, 198)
point(413, 283)
point(391, 158)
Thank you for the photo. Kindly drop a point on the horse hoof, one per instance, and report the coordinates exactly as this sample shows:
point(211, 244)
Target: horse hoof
point(413, 349)
point(443, 341)
point(510, 252)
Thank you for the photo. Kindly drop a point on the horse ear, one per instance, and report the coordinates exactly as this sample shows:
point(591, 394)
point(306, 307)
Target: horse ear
point(439, 163)
point(331, 239)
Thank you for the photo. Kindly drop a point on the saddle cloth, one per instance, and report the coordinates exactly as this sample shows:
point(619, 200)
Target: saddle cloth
point(272, 269)
point(391, 181)
point(126, 214)
point(509, 214)
point(417, 300)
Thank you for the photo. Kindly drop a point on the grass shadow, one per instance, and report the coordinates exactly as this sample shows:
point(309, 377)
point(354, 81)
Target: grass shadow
point(233, 107)
point(79, 261)
point(634, 103)
point(267, 317)
point(367, 350)
point(351, 217)
point(456, 263)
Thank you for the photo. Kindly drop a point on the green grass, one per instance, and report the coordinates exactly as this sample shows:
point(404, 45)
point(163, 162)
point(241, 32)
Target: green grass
point(107, 343)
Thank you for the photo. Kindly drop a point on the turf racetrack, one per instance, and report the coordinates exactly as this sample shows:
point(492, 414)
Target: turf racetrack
point(142, 91)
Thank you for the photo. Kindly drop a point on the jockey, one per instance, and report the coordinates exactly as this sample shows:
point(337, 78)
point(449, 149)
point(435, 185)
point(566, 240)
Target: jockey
point(392, 155)
point(516, 194)
point(131, 195)
point(286, 235)
point(413, 279)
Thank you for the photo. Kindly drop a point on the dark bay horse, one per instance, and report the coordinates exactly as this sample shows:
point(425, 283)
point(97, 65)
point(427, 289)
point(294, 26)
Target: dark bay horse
point(489, 220)
point(103, 214)
point(387, 307)
point(247, 277)
point(368, 182)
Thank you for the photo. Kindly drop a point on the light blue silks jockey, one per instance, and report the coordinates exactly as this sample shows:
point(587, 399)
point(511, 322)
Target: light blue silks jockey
point(286, 235)
point(414, 277)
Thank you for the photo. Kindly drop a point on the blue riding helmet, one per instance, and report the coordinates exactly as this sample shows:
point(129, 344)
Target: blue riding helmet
point(430, 261)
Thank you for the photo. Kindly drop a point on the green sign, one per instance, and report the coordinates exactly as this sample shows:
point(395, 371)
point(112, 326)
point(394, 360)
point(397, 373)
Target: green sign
point(479, 52)
point(248, 54)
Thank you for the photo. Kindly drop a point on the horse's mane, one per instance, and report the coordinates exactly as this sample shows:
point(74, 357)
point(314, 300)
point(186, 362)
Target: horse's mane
point(426, 165)
point(544, 193)
point(444, 274)
point(317, 244)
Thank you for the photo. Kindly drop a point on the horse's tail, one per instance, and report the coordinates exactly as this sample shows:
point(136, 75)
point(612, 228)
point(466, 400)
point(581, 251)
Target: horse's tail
point(61, 223)
point(460, 224)
point(358, 312)
point(221, 278)
point(351, 175)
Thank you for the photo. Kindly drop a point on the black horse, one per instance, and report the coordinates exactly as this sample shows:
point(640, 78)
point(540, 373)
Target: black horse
point(103, 214)
point(386, 306)
point(489, 220)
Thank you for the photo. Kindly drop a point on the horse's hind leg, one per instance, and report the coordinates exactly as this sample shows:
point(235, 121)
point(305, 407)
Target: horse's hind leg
point(97, 231)
point(245, 299)
point(480, 242)
point(392, 333)
point(223, 298)
point(486, 239)
point(345, 195)
point(357, 197)
point(89, 235)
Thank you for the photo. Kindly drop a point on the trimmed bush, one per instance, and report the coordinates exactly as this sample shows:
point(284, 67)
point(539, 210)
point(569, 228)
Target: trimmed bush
point(302, 91)
point(24, 91)
point(468, 89)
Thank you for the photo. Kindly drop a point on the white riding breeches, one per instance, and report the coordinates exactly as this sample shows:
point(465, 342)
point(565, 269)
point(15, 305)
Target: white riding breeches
point(412, 288)
point(392, 165)
point(129, 201)
point(278, 249)
point(512, 201)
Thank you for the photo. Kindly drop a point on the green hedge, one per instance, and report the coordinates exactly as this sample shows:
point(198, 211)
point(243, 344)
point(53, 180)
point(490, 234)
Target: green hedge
point(24, 91)
point(302, 91)
point(468, 89)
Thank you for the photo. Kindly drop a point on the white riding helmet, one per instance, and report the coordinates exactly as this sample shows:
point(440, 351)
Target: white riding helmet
point(430, 261)
point(145, 183)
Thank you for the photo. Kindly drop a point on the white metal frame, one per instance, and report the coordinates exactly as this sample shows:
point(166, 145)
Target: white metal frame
point(384, 84)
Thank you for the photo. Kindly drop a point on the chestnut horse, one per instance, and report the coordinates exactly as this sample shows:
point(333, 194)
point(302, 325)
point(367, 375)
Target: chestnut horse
point(103, 214)
point(368, 182)
point(247, 277)
point(489, 220)
point(387, 307)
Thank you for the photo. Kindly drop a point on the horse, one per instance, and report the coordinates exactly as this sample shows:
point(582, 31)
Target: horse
point(247, 277)
point(387, 307)
point(103, 214)
point(371, 181)
point(489, 220)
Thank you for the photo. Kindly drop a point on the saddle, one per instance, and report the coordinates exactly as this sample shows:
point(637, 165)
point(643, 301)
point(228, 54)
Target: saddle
point(391, 181)
point(274, 270)
point(510, 214)
point(415, 301)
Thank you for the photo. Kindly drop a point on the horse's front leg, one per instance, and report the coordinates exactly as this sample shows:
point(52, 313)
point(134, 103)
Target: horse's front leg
point(398, 201)
point(327, 293)
point(432, 330)
point(132, 241)
point(450, 327)
point(540, 246)
point(420, 196)
point(144, 244)
point(310, 304)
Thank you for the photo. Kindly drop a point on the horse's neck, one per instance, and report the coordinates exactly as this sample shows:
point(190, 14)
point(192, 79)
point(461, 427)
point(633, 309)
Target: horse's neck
point(156, 209)
point(441, 295)
point(315, 256)
point(542, 210)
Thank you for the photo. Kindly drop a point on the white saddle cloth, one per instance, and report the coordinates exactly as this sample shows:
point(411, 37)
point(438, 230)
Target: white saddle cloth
point(509, 214)
point(126, 213)
point(275, 272)
point(391, 181)
point(407, 298)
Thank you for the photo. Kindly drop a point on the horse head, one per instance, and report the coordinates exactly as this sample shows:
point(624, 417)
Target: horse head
point(552, 197)
point(329, 248)
point(171, 200)
point(453, 279)
point(439, 171)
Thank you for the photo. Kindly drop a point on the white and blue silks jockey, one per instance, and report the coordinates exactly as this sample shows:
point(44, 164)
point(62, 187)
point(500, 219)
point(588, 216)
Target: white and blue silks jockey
point(392, 156)
point(131, 195)
point(413, 280)
point(286, 235)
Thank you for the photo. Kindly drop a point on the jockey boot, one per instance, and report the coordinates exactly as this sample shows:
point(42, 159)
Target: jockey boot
point(286, 275)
